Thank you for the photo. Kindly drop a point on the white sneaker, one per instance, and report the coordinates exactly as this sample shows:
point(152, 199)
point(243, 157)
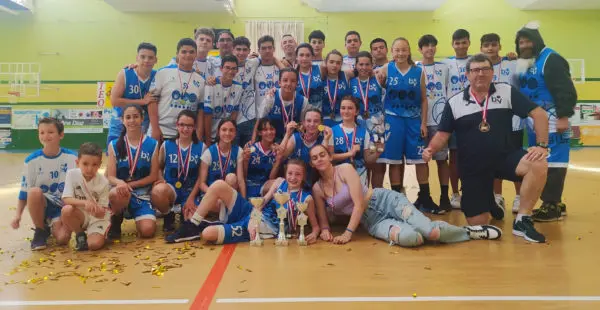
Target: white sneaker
point(484, 232)
point(455, 201)
point(516, 204)
point(500, 201)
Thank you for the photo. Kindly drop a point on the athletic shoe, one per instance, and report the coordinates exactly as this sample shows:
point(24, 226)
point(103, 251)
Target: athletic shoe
point(186, 232)
point(445, 204)
point(484, 232)
point(455, 201)
point(563, 208)
point(498, 211)
point(40, 239)
point(426, 205)
point(114, 232)
point(548, 212)
point(81, 241)
point(516, 204)
point(169, 222)
point(524, 228)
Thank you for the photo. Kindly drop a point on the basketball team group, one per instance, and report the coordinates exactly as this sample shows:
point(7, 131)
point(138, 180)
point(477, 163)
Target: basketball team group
point(201, 137)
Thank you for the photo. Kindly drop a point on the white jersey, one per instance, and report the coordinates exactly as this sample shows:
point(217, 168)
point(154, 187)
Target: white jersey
point(47, 173)
point(221, 101)
point(506, 72)
point(245, 77)
point(457, 78)
point(266, 77)
point(204, 67)
point(179, 90)
point(348, 63)
point(436, 78)
point(95, 190)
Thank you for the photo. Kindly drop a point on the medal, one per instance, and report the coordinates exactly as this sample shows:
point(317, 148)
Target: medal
point(333, 100)
point(350, 143)
point(284, 115)
point(252, 149)
point(364, 96)
point(223, 168)
point(321, 128)
point(184, 87)
point(183, 167)
point(133, 161)
point(484, 126)
point(306, 90)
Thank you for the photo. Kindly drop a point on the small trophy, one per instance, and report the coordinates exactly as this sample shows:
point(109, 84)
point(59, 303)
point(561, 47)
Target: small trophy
point(302, 206)
point(281, 199)
point(256, 219)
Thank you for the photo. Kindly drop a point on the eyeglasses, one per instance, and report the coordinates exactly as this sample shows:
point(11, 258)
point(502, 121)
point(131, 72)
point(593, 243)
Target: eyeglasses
point(483, 70)
point(185, 126)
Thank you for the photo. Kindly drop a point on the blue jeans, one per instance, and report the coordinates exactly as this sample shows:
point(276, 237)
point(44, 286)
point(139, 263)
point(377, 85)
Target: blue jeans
point(389, 208)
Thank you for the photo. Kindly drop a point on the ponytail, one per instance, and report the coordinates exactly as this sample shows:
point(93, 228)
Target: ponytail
point(121, 151)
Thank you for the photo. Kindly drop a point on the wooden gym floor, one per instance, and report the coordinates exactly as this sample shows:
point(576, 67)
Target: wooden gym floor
point(364, 274)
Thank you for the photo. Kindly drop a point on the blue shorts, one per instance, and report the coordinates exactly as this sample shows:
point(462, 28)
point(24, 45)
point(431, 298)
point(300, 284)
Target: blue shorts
point(52, 211)
point(559, 144)
point(236, 221)
point(402, 140)
point(140, 209)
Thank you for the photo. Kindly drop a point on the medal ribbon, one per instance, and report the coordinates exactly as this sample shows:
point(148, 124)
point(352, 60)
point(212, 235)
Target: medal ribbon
point(133, 162)
point(335, 94)
point(223, 168)
point(183, 166)
point(484, 109)
point(306, 90)
point(364, 95)
point(262, 149)
point(351, 142)
point(293, 214)
point(286, 118)
point(184, 87)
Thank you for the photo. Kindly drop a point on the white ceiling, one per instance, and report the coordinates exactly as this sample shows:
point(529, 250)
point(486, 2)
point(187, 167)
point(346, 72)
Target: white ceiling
point(168, 5)
point(373, 5)
point(533, 5)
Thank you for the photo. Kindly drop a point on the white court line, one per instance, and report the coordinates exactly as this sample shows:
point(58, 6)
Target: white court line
point(584, 168)
point(407, 299)
point(12, 303)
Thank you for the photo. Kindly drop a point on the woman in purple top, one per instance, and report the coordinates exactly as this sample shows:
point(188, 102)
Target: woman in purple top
point(385, 214)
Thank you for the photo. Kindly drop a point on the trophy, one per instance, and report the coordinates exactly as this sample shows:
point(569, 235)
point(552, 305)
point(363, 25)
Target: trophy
point(302, 206)
point(256, 217)
point(281, 199)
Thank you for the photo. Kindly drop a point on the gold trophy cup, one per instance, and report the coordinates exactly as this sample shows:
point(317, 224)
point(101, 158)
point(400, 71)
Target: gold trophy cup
point(281, 199)
point(256, 217)
point(302, 218)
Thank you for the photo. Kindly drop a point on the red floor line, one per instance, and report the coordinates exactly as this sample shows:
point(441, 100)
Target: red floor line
point(209, 288)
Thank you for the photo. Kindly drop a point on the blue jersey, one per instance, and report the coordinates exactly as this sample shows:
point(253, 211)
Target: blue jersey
point(214, 168)
point(374, 95)
point(403, 92)
point(314, 87)
point(259, 168)
point(343, 89)
point(47, 173)
point(293, 112)
point(135, 89)
point(270, 209)
point(142, 167)
point(342, 143)
point(174, 164)
point(302, 152)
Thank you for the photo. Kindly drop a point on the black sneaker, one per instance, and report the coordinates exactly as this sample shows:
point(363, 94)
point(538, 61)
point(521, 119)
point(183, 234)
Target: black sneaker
point(186, 232)
point(445, 204)
point(548, 212)
point(498, 209)
point(426, 205)
point(484, 232)
point(169, 222)
point(563, 208)
point(524, 228)
point(114, 233)
point(81, 241)
point(40, 238)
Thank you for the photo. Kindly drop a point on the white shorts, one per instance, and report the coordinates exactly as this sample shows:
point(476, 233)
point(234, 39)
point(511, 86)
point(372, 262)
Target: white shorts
point(94, 225)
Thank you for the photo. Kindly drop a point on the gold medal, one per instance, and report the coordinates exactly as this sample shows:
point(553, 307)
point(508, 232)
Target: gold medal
point(484, 126)
point(366, 115)
point(178, 185)
point(321, 128)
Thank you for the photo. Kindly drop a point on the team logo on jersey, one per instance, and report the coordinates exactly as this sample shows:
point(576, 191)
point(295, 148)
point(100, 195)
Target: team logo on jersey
point(532, 70)
point(145, 155)
point(63, 167)
point(196, 83)
point(497, 99)
point(412, 81)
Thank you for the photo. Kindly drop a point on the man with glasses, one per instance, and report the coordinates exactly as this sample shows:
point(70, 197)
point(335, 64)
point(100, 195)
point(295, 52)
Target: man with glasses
point(481, 115)
point(225, 46)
